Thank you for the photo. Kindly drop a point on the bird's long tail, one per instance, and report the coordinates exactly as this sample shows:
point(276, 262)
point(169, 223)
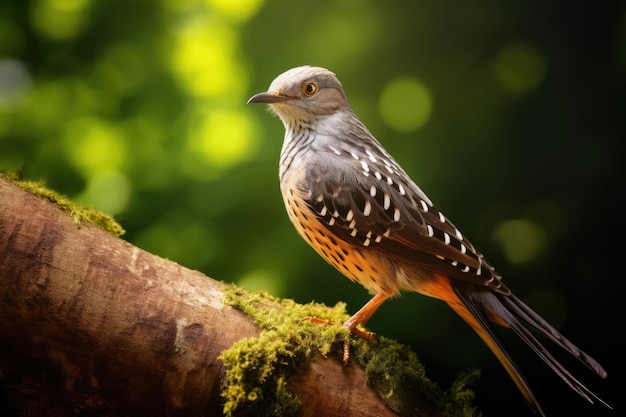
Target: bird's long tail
point(480, 308)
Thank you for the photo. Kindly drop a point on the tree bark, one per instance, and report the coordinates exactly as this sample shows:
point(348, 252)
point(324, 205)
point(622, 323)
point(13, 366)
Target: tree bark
point(90, 324)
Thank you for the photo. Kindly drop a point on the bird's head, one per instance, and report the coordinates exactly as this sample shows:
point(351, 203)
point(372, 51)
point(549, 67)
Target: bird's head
point(303, 95)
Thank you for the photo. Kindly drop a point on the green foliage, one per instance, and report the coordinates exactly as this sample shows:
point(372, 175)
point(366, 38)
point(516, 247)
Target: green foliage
point(460, 396)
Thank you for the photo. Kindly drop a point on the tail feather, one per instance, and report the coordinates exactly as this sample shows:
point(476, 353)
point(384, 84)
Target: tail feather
point(476, 318)
point(478, 308)
point(513, 309)
point(524, 312)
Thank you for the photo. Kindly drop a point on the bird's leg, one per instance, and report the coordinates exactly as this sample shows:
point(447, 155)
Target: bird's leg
point(361, 317)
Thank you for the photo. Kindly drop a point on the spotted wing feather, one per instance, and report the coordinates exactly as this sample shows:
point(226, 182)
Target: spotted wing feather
point(371, 202)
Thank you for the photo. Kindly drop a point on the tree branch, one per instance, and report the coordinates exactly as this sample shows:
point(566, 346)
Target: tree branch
point(90, 323)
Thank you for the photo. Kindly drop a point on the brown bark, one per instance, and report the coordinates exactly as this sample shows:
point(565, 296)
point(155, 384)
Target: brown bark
point(90, 324)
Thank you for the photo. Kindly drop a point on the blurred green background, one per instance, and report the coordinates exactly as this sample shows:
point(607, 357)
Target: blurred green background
point(509, 114)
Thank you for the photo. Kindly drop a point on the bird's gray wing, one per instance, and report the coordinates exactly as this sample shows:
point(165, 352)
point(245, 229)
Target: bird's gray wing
point(381, 208)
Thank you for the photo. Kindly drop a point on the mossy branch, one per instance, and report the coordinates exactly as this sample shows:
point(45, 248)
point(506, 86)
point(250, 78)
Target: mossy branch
point(91, 324)
point(78, 212)
point(261, 368)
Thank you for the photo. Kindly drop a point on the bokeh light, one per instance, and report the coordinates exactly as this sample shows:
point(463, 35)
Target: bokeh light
point(237, 10)
point(203, 58)
point(521, 240)
point(519, 67)
point(60, 19)
point(218, 139)
point(94, 146)
point(223, 137)
point(107, 191)
point(406, 104)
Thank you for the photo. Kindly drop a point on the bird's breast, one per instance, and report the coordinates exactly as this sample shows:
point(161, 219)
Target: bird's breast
point(355, 262)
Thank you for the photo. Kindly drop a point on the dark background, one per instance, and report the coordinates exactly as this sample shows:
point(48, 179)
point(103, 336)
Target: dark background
point(138, 108)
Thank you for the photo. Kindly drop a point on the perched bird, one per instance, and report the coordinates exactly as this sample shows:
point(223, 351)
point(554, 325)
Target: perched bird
point(352, 202)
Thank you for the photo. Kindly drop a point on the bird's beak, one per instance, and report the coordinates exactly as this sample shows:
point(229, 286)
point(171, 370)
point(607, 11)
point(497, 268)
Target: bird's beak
point(268, 97)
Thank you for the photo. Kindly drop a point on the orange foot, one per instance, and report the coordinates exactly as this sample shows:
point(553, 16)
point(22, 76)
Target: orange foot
point(350, 324)
point(360, 317)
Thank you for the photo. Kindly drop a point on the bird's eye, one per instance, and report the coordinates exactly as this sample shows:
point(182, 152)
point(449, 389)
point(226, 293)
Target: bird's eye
point(309, 88)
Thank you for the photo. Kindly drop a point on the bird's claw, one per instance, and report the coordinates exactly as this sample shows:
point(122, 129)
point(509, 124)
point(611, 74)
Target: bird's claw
point(369, 336)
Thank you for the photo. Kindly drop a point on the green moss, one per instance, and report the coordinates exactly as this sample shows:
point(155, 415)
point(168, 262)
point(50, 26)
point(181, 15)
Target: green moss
point(258, 369)
point(395, 373)
point(458, 399)
point(78, 212)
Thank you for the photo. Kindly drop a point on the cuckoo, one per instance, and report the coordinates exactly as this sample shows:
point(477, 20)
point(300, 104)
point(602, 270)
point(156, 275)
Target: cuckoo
point(356, 206)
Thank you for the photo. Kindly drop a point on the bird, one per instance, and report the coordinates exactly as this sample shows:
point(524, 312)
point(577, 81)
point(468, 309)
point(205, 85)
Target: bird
point(356, 206)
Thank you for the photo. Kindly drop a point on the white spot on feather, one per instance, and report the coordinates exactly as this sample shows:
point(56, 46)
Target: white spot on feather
point(367, 209)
